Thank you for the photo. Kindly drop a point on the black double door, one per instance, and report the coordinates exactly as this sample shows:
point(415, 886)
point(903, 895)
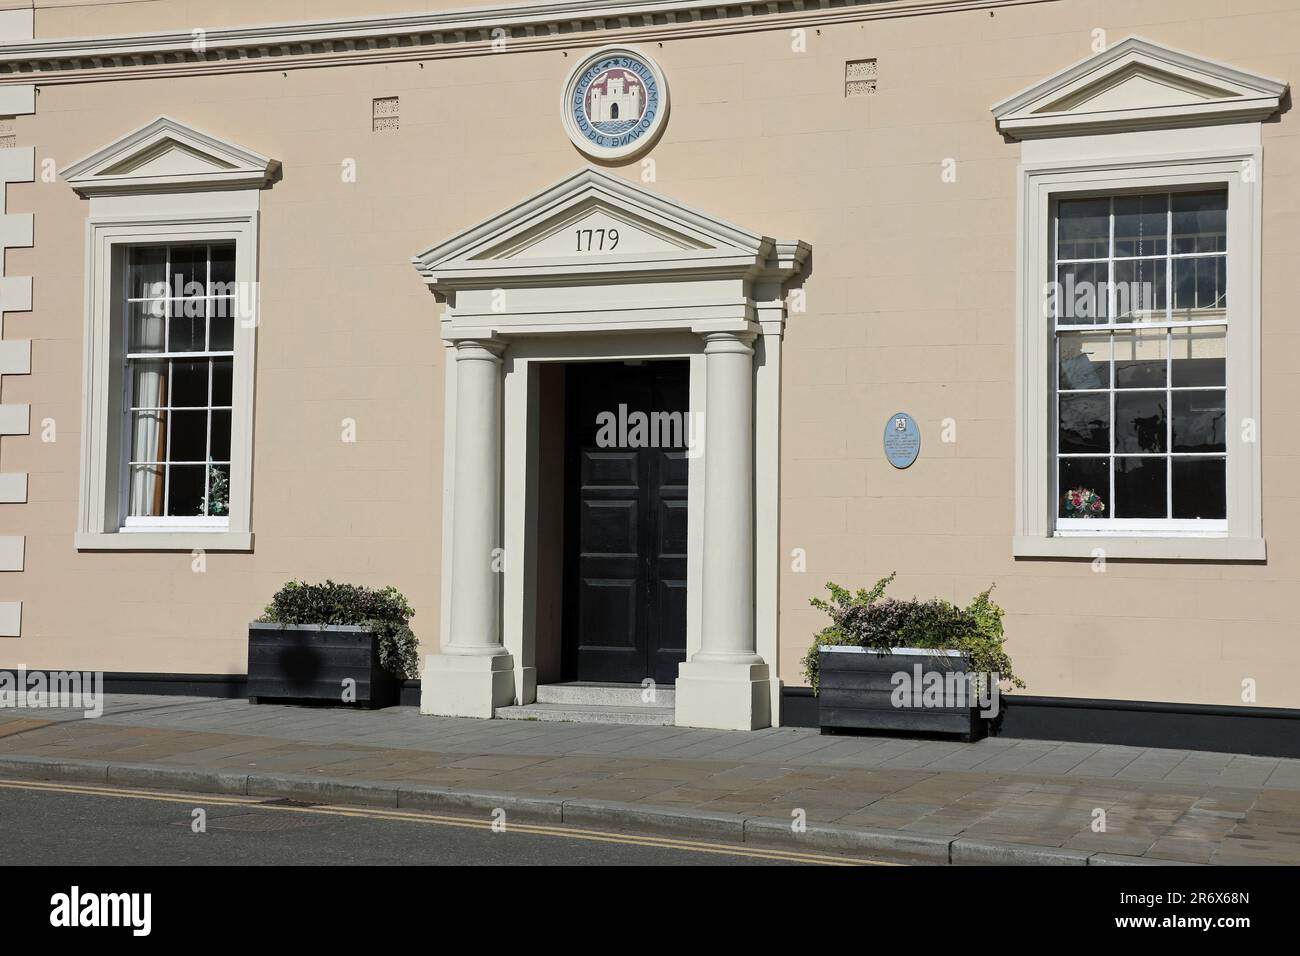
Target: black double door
point(625, 535)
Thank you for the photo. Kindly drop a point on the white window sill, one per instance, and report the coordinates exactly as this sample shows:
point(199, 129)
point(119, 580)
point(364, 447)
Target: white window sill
point(181, 539)
point(1169, 548)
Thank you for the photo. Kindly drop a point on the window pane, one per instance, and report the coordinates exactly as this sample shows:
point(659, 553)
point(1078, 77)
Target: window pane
point(1200, 488)
point(1140, 225)
point(1082, 293)
point(189, 384)
point(185, 489)
point(223, 269)
point(1199, 421)
point(1199, 356)
point(1200, 283)
point(1201, 222)
point(1140, 290)
point(185, 330)
point(1089, 475)
point(146, 322)
point(148, 436)
point(221, 379)
point(222, 326)
point(1083, 228)
point(1085, 360)
point(1140, 421)
point(1140, 487)
point(147, 273)
point(1085, 423)
point(146, 495)
point(189, 436)
point(189, 270)
point(220, 436)
point(1140, 359)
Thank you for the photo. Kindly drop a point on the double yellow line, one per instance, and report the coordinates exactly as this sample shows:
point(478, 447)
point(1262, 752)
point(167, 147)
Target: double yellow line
point(379, 813)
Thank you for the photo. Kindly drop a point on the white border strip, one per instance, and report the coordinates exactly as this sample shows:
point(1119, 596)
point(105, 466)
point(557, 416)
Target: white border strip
point(17, 165)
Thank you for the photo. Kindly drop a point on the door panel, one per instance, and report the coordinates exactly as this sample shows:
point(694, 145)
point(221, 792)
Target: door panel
point(625, 548)
point(611, 529)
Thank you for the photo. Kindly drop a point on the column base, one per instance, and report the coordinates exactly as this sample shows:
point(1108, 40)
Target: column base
point(721, 696)
point(458, 686)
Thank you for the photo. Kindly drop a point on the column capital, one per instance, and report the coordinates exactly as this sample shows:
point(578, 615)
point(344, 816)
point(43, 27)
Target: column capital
point(478, 349)
point(735, 342)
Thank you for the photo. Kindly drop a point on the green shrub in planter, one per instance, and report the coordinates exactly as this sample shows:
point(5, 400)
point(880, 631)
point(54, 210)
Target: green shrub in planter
point(866, 618)
point(384, 610)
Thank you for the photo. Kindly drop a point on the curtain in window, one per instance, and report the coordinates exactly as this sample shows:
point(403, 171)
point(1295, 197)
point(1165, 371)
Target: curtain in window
point(149, 392)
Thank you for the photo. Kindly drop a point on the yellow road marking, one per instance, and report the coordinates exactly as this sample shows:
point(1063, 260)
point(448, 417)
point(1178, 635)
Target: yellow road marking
point(410, 816)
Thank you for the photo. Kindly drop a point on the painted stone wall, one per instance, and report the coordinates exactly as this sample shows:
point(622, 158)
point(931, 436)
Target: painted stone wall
point(910, 305)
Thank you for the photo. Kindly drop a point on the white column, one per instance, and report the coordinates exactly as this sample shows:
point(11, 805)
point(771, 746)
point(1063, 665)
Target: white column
point(473, 675)
point(725, 685)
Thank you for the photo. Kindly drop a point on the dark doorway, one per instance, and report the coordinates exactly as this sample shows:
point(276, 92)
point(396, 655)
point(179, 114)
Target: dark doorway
point(625, 536)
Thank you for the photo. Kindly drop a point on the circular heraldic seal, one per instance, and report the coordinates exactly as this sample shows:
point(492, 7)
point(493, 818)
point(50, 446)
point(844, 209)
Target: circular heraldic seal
point(615, 103)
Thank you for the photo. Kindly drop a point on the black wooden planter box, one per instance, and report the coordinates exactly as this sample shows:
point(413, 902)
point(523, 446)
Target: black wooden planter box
point(311, 662)
point(856, 692)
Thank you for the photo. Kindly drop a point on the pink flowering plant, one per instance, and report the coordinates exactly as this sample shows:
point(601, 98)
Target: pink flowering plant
point(1083, 503)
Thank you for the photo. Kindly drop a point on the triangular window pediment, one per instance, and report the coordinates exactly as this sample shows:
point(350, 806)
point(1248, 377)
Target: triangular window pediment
point(1134, 85)
point(166, 155)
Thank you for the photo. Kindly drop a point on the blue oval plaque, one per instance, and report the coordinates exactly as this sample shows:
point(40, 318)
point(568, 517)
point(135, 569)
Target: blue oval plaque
point(902, 440)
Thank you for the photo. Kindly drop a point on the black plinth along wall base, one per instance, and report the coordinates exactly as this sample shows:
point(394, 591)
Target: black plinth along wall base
point(1260, 731)
point(313, 663)
point(858, 693)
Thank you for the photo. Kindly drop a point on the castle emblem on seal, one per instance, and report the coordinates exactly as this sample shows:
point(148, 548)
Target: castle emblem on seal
point(615, 102)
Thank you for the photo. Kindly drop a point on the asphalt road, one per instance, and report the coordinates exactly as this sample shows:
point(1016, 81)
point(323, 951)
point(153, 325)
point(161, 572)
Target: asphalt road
point(63, 824)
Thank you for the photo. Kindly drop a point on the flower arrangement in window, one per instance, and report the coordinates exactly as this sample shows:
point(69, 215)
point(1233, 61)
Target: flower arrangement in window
point(1083, 503)
point(217, 502)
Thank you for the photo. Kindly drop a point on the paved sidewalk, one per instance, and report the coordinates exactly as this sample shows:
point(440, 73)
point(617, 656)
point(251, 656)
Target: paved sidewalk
point(999, 799)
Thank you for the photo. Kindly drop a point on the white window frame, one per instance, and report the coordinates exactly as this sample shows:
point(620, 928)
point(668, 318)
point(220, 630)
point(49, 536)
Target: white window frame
point(139, 523)
point(1129, 163)
point(102, 521)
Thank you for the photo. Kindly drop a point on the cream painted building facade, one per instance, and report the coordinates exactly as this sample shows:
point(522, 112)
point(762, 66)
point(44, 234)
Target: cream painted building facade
point(411, 254)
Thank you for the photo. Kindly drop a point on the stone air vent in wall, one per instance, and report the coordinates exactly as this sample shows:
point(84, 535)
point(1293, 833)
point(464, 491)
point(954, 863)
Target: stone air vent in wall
point(860, 77)
point(384, 114)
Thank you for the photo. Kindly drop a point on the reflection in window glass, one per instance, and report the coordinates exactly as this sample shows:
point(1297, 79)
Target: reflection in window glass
point(1140, 312)
point(1084, 360)
point(1199, 357)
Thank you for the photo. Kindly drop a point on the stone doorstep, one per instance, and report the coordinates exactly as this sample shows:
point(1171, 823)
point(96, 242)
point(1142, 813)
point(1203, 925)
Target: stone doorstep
point(589, 713)
point(775, 833)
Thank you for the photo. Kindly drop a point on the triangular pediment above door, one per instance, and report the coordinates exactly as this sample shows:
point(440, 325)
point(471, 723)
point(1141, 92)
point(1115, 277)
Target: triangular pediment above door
point(593, 226)
point(167, 155)
point(1138, 84)
point(599, 253)
point(593, 222)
